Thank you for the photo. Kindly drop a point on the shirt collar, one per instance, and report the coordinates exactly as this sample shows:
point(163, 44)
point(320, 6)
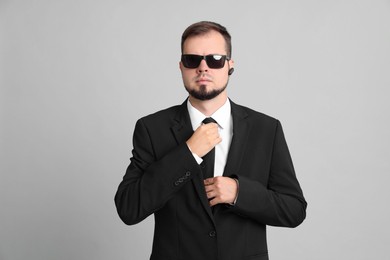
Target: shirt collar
point(222, 115)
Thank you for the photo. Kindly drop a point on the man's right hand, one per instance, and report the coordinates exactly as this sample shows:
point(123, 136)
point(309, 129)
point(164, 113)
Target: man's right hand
point(205, 138)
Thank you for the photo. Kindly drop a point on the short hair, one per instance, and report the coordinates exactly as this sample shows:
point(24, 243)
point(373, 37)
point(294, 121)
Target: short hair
point(204, 27)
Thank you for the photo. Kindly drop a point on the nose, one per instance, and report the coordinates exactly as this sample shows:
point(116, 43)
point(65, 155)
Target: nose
point(202, 67)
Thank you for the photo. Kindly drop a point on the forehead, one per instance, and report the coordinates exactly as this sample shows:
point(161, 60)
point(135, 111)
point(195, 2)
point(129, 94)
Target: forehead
point(209, 43)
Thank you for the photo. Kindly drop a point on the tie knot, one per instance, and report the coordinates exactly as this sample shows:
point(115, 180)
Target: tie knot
point(209, 120)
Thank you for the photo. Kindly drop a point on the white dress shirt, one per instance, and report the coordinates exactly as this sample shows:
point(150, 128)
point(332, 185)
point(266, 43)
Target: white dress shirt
point(223, 116)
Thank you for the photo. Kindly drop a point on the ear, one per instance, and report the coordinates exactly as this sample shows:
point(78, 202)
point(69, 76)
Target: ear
point(181, 66)
point(231, 63)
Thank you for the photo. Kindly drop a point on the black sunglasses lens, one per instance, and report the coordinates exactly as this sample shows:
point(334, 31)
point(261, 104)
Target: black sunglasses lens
point(215, 61)
point(191, 61)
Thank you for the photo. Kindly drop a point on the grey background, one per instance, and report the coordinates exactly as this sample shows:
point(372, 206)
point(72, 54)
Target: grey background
point(76, 75)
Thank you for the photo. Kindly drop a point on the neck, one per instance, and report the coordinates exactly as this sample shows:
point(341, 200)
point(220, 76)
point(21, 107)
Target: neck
point(208, 107)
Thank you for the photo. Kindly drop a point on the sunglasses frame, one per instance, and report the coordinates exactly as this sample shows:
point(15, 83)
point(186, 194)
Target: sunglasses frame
point(208, 58)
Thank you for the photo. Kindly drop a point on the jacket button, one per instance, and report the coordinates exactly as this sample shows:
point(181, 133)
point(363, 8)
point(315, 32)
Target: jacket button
point(212, 233)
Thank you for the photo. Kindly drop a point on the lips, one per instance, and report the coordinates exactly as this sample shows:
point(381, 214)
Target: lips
point(203, 80)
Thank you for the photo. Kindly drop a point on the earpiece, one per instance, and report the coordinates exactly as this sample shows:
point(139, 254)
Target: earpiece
point(230, 72)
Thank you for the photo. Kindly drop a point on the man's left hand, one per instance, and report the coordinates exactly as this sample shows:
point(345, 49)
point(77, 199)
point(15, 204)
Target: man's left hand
point(221, 189)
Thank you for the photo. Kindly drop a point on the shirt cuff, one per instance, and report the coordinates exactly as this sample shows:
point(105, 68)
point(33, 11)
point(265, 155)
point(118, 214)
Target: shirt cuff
point(198, 159)
point(238, 189)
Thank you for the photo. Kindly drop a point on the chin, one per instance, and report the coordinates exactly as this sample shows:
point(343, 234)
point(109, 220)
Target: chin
point(203, 94)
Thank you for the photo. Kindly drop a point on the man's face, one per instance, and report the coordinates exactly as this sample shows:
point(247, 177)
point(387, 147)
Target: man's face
point(203, 82)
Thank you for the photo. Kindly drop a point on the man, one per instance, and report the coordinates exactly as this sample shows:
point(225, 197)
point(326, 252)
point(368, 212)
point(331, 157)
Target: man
point(205, 212)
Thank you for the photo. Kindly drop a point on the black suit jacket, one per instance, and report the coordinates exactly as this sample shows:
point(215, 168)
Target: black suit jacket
point(164, 179)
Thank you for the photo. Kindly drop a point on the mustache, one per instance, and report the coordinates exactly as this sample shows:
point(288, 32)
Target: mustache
point(203, 76)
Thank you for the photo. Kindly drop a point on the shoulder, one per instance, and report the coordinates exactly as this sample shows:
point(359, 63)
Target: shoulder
point(164, 116)
point(258, 122)
point(252, 115)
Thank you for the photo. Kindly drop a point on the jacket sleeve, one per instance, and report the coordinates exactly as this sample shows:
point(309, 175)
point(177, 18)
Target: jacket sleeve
point(149, 181)
point(280, 202)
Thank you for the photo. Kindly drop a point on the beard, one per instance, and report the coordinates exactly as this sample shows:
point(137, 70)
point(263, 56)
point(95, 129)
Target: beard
point(203, 94)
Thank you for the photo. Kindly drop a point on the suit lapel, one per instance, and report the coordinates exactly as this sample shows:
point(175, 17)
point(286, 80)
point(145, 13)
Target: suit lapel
point(239, 140)
point(182, 130)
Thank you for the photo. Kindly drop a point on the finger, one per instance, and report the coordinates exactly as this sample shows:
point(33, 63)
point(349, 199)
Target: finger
point(214, 201)
point(208, 181)
point(211, 195)
point(211, 135)
point(211, 126)
point(217, 179)
point(214, 140)
point(208, 188)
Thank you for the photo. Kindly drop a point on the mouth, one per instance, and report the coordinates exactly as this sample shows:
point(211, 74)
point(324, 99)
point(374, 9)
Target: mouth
point(202, 80)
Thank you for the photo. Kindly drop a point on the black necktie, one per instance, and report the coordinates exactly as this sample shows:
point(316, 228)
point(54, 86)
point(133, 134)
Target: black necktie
point(209, 159)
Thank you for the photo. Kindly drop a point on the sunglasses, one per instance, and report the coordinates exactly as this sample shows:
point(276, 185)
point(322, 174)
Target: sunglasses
point(213, 61)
